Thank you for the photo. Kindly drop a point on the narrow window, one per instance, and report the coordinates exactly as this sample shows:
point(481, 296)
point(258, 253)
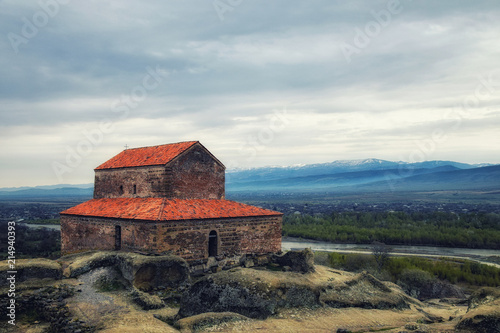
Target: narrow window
point(118, 237)
point(212, 244)
point(121, 189)
point(135, 189)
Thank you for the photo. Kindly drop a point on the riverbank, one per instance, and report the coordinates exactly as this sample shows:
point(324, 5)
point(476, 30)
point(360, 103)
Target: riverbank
point(484, 256)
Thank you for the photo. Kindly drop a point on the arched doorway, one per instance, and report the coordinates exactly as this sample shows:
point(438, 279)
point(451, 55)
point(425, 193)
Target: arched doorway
point(118, 237)
point(212, 243)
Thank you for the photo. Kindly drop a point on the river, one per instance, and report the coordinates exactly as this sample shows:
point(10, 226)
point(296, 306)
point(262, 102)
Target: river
point(480, 255)
point(49, 226)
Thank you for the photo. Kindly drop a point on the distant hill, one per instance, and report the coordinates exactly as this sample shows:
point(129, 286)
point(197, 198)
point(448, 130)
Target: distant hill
point(478, 179)
point(332, 181)
point(370, 175)
point(342, 166)
point(47, 193)
point(46, 187)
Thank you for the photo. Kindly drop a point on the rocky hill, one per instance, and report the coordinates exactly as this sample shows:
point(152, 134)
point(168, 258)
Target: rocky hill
point(128, 292)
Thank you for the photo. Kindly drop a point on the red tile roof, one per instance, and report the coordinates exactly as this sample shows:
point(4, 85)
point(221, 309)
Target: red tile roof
point(154, 155)
point(162, 209)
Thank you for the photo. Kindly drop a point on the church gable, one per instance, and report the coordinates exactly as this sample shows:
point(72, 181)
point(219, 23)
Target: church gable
point(180, 170)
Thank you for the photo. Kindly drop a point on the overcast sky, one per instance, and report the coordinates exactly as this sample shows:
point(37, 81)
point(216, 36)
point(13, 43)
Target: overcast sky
point(256, 82)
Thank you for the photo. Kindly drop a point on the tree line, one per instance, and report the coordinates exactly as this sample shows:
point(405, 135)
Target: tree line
point(394, 268)
point(31, 242)
point(471, 230)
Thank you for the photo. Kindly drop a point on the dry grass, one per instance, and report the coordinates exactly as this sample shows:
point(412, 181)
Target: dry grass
point(115, 312)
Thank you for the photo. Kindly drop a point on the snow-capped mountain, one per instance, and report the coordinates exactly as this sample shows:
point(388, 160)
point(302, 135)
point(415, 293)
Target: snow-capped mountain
point(335, 167)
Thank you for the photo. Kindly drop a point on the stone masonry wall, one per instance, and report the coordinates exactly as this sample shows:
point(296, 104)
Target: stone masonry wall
point(193, 175)
point(79, 233)
point(187, 239)
point(197, 175)
point(236, 236)
point(150, 181)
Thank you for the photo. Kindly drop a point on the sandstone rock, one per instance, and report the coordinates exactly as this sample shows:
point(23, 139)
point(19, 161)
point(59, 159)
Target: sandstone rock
point(146, 301)
point(143, 272)
point(365, 291)
point(298, 261)
point(483, 314)
point(31, 269)
point(422, 285)
point(208, 295)
point(259, 294)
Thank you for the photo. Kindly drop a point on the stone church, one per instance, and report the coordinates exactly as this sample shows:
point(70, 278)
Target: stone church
point(168, 199)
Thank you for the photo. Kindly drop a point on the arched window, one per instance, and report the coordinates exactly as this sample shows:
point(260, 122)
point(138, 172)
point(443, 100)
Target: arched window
point(212, 243)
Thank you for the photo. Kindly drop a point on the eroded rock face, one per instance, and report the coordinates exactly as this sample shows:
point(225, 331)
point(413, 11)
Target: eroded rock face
point(424, 286)
point(46, 305)
point(298, 261)
point(160, 272)
point(143, 272)
point(365, 291)
point(28, 269)
point(483, 314)
point(208, 295)
point(259, 294)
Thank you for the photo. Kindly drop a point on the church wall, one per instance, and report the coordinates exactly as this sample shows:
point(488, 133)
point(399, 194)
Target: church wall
point(197, 175)
point(81, 233)
point(189, 239)
point(149, 181)
point(192, 175)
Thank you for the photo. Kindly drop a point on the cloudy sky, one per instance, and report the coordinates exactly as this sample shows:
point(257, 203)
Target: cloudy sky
point(257, 82)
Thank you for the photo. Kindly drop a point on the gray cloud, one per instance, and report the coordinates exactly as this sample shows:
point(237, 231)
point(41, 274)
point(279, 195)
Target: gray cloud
point(226, 78)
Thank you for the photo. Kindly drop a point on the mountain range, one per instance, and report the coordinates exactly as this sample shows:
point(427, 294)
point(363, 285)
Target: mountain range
point(368, 175)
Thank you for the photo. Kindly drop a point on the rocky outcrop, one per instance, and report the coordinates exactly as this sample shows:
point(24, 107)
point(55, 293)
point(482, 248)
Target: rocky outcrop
point(46, 304)
point(483, 313)
point(143, 272)
point(422, 285)
point(365, 291)
point(297, 261)
point(259, 294)
point(30, 269)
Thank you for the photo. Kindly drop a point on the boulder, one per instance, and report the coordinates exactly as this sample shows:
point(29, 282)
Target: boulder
point(298, 261)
